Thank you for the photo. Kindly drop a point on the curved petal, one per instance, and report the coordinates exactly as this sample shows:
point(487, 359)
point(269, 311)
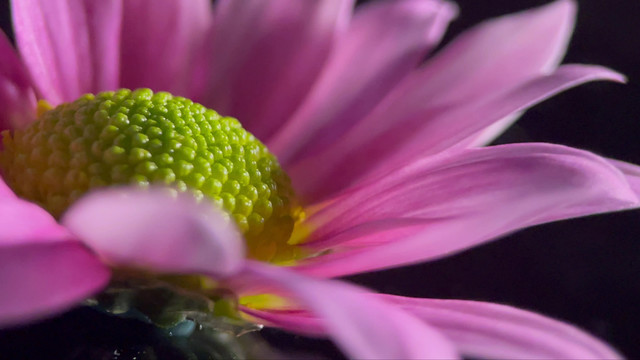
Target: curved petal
point(267, 56)
point(441, 206)
point(385, 41)
point(495, 55)
point(38, 280)
point(154, 229)
point(163, 44)
point(70, 47)
point(492, 331)
point(364, 327)
point(394, 141)
point(491, 132)
point(440, 134)
point(43, 270)
point(5, 192)
point(630, 171)
point(22, 222)
point(488, 59)
point(17, 95)
point(294, 320)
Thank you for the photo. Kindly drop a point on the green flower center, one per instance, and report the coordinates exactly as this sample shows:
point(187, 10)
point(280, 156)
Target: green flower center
point(142, 138)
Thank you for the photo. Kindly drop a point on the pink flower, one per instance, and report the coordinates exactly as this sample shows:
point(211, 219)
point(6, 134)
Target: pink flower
point(381, 148)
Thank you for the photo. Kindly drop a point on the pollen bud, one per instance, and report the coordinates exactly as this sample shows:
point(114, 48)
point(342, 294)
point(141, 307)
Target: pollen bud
point(143, 138)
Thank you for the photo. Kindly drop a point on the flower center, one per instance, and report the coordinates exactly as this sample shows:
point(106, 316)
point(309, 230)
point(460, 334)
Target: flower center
point(142, 138)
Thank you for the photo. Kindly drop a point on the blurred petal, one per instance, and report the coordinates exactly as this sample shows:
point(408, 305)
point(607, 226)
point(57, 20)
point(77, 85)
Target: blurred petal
point(5, 191)
point(630, 171)
point(70, 46)
point(163, 42)
point(432, 130)
point(152, 229)
point(296, 321)
point(267, 56)
point(364, 327)
point(38, 280)
point(441, 206)
point(492, 331)
point(23, 222)
point(17, 96)
point(43, 271)
point(385, 41)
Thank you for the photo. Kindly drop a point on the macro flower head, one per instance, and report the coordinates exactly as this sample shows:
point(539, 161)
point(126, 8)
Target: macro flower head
point(259, 148)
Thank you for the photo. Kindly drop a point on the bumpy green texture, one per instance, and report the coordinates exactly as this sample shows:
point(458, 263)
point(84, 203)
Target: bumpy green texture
point(138, 137)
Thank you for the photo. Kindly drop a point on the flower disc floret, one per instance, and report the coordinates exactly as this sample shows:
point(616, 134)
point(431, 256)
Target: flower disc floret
point(141, 137)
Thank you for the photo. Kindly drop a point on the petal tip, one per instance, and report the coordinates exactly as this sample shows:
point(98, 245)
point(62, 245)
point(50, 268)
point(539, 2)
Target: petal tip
point(617, 77)
point(156, 230)
point(449, 10)
point(568, 8)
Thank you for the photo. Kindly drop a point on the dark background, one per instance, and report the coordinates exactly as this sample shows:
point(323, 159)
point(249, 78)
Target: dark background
point(584, 271)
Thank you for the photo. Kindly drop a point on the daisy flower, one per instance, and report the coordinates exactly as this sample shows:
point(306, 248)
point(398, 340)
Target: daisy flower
point(350, 154)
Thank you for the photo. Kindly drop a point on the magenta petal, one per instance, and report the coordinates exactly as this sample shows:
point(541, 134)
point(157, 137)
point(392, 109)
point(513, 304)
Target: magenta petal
point(492, 331)
point(489, 59)
point(631, 172)
point(294, 320)
point(5, 191)
point(71, 47)
point(491, 132)
point(496, 55)
point(17, 96)
point(23, 222)
point(267, 54)
point(163, 44)
point(364, 327)
point(454, 93)
point(154, 230)
point(437, 207)
point(414, 134)
point(42, 272)
point(385, 41)
point(442, 132)
point(38, 280)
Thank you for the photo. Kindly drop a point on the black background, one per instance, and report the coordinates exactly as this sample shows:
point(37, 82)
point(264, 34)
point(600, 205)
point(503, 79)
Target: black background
point(585, 271)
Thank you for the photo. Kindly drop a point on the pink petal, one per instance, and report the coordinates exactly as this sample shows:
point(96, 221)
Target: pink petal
point(71, 47)
point(494, 56)
point(38, 280)
point(267, 56)
point(393, 141)
point(364, 327)
point(480, 65)
point(17, 96)
point(22, 222)
point(294, 320)
point(455, 126)
point(384, 42)
point(437, 207)
point(163, 44)
point(152, 229)
point(630, 171)
point(43, 271)
point(5, 191)
point(492, 331)
point(490, 133)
